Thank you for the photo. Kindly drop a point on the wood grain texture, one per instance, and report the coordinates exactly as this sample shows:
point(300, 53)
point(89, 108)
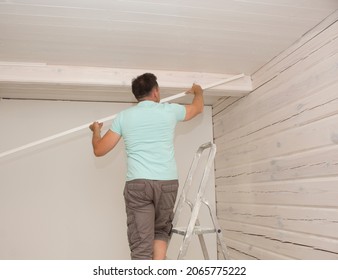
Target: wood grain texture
point(277, 161)
point(222, 36)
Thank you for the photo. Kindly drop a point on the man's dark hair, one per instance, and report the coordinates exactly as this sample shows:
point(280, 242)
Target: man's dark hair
point(142, 85)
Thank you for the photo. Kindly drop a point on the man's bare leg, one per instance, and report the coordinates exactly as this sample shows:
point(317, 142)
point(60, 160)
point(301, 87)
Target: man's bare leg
point(160, 250)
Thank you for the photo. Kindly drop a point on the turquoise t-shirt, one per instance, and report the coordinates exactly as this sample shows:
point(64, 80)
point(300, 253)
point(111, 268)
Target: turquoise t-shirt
point(148, 132)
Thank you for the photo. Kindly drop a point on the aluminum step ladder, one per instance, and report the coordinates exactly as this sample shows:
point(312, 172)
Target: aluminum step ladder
point(194, 227)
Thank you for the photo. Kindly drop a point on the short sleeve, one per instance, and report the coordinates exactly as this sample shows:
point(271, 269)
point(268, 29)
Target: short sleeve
point(116, 124)
point(180, 111)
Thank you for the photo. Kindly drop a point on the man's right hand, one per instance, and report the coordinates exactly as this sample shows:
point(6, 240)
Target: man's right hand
point(197, 105)
point(195, 89)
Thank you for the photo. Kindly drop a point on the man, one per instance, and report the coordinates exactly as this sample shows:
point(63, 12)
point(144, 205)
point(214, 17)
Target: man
point(152, 177)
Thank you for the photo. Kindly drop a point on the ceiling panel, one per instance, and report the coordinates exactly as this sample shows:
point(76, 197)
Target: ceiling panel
point(216, 36)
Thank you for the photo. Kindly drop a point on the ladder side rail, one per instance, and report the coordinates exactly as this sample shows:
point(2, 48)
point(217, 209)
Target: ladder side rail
point(197, 223)
point(207, 170)
point(186, 187)
point(200, 236)
point(192, 170)
point(202, 243)
point(199, 198)
point(189, 231)
point(203, 247)
point(218, 229)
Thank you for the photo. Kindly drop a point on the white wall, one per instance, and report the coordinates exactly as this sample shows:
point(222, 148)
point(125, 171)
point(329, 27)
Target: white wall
point(277, 166)
point(57, 201)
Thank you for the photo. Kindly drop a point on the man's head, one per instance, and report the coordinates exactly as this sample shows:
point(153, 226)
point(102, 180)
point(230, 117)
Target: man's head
point(144, 85)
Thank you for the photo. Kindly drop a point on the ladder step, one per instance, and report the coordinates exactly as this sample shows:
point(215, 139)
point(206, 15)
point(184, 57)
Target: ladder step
point(197, 230)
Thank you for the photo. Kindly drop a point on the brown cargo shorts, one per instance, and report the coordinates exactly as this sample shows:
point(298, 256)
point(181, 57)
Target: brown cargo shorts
point(149, 207)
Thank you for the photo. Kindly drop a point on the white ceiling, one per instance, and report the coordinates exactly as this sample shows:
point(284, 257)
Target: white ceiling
point(214, 36)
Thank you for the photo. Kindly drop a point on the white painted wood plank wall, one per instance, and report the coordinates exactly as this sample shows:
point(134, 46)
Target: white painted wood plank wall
point(185, 35)
point(277, 160)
